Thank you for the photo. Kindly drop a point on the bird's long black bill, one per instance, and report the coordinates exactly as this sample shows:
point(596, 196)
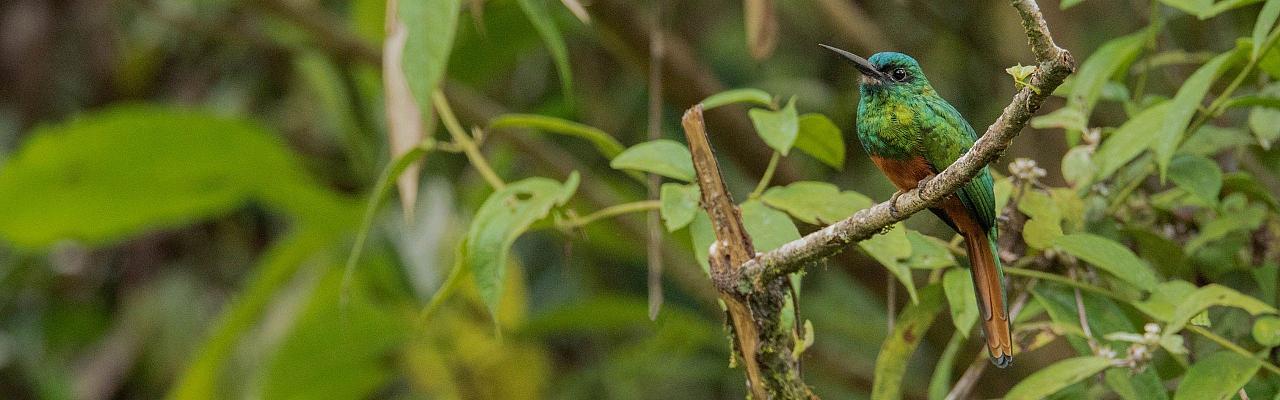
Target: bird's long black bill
point(862, 64)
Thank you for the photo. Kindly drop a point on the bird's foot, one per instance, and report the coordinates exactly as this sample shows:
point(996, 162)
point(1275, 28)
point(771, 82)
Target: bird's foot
point(925, 181)
point(893, 204)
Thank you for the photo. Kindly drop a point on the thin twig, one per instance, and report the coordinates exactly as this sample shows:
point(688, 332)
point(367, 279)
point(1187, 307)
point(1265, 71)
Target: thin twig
point(768, 175)
point(1216, 106)
point(891, 300)
point(1221, 341)
point(652, 224)
point(1031, 273)
point(1080, 313)
point(461, 138)
point(613, 211)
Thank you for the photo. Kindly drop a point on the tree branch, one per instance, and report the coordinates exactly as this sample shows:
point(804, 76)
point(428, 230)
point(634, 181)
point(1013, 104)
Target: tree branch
point(755, 317)
point(752, 286)
point(1054, 65)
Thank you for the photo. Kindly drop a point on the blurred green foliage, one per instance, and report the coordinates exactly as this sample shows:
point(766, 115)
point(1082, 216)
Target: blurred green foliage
point(180, 183)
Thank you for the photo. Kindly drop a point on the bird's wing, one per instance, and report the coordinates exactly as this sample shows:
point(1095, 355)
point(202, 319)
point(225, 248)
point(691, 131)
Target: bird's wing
point(946, 136)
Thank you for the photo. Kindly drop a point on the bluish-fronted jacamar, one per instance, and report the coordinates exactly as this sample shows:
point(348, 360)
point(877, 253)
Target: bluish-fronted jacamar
point(911, 133)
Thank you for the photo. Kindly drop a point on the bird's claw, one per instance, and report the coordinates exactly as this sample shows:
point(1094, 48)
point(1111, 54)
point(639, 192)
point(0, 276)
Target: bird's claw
point(893, 204)
point(924, 181)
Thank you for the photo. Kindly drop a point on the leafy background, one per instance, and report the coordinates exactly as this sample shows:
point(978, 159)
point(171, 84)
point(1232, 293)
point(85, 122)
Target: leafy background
point(194, 199)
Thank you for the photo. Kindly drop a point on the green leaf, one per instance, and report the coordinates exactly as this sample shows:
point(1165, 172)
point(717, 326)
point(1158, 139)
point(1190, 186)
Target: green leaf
point(1184, 106)
point(1071, 206)
point(817, 203)
point(1205, 9)
point(1224, 6)
point(1109, 60)
point(1201, 319)
point(1069, 3)
point(1165, 299)
point(1109, 256)
point(1193, 7)
point(503, 217)
point(1213, 295)
point(1056, 377)
point(701, 235)
point(1105, 316)
point(679, 203)
point(1045, 224)
point(891, 363)
point(1039, 204)
point(769, 228)
point(1128, 141)
point(1218, 376)
point(606, 144)
point(431, 25)
point(746, 95)
point(1041, 233)
point(1197, 175)
point(779, 129)
point(1003, 190)
point(1266, 331)
point(1244, 183)
point(106, 176)
point(890, 249)
point(1231, 220)
point(1266, 20)
point(1068, 118)
point(1132, 385)
point(1265, 121)
point(959, 287)
point(820, 138)
point(1210, 140)
point(940, 382)
point(1166, 255)
point(342, 345)
point(928, 252)
point(1078, 166)
point(274, 271)
point(1252, 100)
point(663, 157)
point(1020, 73)
point(536, 11)
point(1266, 277)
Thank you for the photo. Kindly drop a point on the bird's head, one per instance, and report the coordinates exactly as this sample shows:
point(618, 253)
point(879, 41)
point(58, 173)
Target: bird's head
point(888, 72)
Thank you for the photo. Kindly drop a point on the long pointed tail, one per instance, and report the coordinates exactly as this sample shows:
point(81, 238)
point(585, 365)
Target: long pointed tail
point(988, 285)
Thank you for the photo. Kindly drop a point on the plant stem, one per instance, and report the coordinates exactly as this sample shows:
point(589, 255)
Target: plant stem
point(381, 189)
point(1216, 106)
point(1233, 347)
point(1195, 329)
point(1063, 280)
point(462, 139)
point(613, 211)
point(768, 175)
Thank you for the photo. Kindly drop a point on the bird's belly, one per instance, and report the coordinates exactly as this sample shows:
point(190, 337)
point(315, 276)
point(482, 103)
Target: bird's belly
point(905, 173)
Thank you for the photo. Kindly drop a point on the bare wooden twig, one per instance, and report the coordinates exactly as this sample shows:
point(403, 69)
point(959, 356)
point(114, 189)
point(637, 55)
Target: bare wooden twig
point(755, 314)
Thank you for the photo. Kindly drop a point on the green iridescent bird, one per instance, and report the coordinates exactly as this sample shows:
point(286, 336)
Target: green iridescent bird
point(911, 133)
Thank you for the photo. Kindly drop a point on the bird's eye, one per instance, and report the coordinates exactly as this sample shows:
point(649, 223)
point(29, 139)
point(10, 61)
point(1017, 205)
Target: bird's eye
point(898, 74)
